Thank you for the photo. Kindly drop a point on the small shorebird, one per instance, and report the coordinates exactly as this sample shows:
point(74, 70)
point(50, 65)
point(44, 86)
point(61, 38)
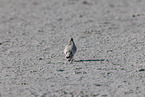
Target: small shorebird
point(70, 50)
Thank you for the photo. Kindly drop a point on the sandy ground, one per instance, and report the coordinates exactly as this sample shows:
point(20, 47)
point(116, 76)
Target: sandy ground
point(109, 35)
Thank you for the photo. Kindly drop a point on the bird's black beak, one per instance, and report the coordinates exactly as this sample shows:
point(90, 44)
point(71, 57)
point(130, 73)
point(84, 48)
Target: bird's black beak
point(68, 57)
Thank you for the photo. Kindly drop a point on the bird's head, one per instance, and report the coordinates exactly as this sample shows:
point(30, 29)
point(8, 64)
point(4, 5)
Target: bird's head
point(69, 55)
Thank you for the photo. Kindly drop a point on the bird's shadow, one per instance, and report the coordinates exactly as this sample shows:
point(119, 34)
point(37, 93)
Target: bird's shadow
point(89, 60)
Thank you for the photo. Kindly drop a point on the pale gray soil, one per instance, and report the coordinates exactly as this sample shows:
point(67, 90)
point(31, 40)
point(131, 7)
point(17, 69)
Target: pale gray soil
point(109, 35)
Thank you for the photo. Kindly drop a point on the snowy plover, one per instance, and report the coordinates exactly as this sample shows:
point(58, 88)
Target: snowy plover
point(70, 50)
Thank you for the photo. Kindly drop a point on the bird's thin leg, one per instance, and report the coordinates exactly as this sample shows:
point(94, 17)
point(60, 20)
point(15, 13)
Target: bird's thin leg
point(72, 59)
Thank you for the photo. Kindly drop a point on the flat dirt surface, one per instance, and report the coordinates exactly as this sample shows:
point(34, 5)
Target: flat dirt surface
point(110, 40)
